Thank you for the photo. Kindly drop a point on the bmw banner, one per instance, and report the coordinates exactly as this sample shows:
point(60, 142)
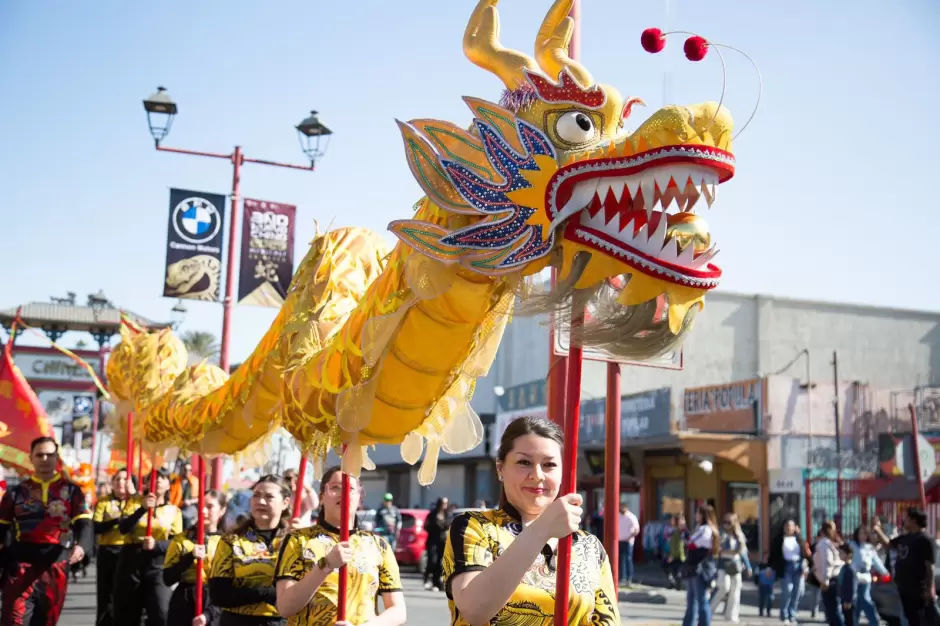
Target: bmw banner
point(194, 245)
point(267, 255)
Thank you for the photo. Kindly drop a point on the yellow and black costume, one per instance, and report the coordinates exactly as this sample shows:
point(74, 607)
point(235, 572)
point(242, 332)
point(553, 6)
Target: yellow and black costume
point(180, 567)
point(139, 585)
point(108, 513)
point(373, 571)
point(477, 538)
point(241, 580)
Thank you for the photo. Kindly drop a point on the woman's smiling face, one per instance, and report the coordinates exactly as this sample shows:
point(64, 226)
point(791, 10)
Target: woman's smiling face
point(531, 474)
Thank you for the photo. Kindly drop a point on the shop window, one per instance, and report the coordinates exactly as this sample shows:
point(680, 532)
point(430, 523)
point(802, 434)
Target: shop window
point(670, 498)
point(743, 499)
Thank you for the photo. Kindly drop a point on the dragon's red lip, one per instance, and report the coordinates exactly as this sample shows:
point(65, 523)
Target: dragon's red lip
point(617, 219)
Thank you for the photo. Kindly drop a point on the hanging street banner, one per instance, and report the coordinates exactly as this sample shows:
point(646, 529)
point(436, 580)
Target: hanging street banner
point(267, 254)
point(194, 245)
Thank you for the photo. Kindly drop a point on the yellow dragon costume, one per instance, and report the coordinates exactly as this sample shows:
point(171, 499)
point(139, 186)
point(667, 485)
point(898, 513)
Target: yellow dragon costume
point(377, 346)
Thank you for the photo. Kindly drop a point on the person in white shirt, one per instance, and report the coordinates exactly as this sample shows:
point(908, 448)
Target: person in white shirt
point(628, 529)
point(827, 564)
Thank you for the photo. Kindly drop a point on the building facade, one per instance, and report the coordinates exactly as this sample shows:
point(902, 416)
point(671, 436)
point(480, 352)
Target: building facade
point(750, 415)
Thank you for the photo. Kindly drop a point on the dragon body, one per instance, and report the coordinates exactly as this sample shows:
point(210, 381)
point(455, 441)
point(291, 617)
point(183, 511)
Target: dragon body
point(376, 346)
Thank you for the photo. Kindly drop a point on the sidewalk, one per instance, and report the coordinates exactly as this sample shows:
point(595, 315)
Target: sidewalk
point(651, 586)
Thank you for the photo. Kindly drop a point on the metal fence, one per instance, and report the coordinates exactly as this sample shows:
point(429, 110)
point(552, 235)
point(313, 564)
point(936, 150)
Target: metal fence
point(850, 502)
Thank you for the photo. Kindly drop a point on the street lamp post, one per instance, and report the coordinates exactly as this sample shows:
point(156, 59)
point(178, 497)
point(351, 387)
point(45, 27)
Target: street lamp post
point(161, 109)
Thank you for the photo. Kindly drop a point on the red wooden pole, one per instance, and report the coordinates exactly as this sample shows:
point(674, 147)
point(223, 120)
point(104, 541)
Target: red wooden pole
point(569, 466)
point(564, 391)
point(299, 491)
point(140, 463)
point(612, 473)
point(200, 527)
point(229, 302)
point(343, 536)
point(130, 449)
point(915, 436)
point(153, 490)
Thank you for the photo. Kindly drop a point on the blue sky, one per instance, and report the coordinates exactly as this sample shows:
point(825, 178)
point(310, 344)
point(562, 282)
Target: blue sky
point(834, 196)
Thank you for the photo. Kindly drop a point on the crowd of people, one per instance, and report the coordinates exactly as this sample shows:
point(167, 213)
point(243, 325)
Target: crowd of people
point(496, 566)
point(712, 561)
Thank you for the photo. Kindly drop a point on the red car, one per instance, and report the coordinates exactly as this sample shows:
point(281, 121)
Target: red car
point(412, 540)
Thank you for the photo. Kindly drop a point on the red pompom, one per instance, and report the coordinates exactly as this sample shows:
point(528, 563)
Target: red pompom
point(695, 48)
point(652, 40)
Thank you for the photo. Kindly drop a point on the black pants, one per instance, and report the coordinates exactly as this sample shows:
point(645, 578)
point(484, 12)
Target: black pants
point(139, 588)
point(914, 605)
point(434, 571)
point(107, 568)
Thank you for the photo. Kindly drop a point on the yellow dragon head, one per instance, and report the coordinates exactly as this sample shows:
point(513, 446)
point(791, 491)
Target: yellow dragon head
point(550, 177)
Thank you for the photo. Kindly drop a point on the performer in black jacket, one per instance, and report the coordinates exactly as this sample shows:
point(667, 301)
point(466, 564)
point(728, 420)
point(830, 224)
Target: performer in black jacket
point(41, 511)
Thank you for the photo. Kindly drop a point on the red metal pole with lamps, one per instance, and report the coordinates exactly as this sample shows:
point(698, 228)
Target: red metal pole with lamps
point(161, 110)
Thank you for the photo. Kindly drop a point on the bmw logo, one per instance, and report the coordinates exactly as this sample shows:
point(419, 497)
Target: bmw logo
point(196, 220)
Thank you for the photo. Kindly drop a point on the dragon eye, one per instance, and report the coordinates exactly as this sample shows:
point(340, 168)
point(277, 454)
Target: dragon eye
point(575, 127)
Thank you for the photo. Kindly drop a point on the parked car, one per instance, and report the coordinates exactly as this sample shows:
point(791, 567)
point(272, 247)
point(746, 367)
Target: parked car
point(410, 550)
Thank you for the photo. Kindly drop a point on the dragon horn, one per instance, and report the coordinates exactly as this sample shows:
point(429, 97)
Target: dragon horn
point(551, 45)
point(481, 46)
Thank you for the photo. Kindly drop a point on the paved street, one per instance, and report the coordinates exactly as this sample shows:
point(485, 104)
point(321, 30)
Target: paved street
point(426, 608)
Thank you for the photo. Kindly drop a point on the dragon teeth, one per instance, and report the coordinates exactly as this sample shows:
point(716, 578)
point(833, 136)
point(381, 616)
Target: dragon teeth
point(687, 256)
point(702, 259)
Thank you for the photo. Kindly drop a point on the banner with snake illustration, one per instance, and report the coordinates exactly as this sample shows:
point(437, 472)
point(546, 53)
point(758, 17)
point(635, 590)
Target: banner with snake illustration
point(376, 345)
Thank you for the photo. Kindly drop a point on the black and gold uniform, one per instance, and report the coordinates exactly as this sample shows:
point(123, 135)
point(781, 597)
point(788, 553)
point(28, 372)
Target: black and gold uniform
point(373, 571)
point(139, 585)
point(180, 567)
point(108, 513)
point(241, 580)
point(477, 538)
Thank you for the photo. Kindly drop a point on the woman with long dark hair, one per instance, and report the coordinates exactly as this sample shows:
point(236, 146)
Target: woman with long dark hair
point(435, 525)
point(108, 513)
point(789, 558)
point(241, 579)
point(700, 567)
point(307, 580)
point(139, 586)
point(500, 565)
point(179, 568)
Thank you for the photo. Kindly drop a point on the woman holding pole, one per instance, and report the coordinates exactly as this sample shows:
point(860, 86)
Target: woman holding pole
point(108, 514)
point(241, 579)
point(151, 521)
point(500, 565)
point(180, 565)
point(307, 578)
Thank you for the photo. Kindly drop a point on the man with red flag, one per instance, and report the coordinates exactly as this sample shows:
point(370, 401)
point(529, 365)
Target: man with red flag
point(22, 418)
point(41, 511)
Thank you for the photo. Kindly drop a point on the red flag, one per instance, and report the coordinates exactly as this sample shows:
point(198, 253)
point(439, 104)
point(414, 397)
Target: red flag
point(22, 417)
